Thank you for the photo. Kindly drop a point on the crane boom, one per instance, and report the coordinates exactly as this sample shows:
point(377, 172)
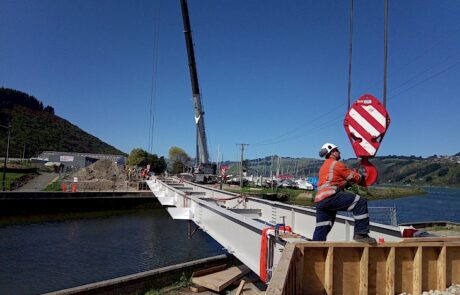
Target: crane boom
point(202, 148)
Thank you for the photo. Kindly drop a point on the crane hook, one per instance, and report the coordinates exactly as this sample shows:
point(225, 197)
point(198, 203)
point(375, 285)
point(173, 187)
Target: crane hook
point(366, 123)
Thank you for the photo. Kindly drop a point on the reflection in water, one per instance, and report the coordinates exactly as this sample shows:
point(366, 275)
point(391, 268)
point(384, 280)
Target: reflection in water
point(46, 256)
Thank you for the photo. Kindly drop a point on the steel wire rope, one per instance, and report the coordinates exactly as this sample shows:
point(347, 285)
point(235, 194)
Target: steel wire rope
point(328, 123)
point(350, 54)
point(278, 139)
point(385, 53)
point(153, 85)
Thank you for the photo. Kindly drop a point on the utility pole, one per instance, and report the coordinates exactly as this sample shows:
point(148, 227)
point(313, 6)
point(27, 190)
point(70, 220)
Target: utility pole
point(241, 162)
point(24, 152)
point(6, 156)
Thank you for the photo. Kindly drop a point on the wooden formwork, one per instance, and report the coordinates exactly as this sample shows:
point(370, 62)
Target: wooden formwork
point(411, 266)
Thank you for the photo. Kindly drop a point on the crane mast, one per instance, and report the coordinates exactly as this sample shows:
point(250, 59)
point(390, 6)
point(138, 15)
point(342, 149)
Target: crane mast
point(202, 146)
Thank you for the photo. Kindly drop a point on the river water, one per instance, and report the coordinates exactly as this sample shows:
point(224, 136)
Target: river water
point(438, 204)
point(43, 256)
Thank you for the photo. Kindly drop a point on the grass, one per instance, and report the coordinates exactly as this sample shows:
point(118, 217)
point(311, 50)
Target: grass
point(290, 196)
point(306, 198)
point(53, 187)
point(9, 179)
point(454, 228)
point(173, 289)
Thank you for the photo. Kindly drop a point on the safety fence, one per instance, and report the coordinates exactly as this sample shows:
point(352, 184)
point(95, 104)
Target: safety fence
point(382, 215)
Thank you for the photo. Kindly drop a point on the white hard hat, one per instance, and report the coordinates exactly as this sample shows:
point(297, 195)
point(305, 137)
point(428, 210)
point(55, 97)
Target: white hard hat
point(327, 148)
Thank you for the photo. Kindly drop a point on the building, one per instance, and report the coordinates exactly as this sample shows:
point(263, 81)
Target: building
point(78, 160)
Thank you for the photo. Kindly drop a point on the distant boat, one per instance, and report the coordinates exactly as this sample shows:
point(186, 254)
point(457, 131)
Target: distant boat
point(303, 184)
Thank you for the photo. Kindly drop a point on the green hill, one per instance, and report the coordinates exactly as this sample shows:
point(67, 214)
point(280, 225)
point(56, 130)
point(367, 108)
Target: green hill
point(400, 170)
point(38, 129)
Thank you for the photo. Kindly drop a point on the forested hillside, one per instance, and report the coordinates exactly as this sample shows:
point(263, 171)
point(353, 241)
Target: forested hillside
point(36, 128)
point(401, 170)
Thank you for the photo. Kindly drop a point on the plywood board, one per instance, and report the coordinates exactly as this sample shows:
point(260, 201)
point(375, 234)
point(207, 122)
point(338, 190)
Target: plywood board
point(430, 267)
point(346, 270)
point(313, 270)
point(453, 265)
point(404, 259)
point(377, 276)
point(220, 280)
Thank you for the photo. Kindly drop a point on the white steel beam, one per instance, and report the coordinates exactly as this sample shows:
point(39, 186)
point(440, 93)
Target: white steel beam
point(237, 222)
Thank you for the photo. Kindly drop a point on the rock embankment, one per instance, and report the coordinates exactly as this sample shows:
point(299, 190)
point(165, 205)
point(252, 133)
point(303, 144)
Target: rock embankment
point(452, 290)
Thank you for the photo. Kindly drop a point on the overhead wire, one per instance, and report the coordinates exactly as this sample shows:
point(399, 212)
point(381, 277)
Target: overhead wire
point(435, 44)
point(279, 139)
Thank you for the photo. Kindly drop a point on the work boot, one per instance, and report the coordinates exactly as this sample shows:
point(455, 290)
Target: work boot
point(364, 239)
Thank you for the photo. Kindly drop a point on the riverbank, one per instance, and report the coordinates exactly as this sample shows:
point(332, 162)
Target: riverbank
point(306, 198)
point(152, 281)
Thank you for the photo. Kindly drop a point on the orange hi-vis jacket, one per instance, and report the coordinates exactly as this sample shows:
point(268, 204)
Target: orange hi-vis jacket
point(333, 176)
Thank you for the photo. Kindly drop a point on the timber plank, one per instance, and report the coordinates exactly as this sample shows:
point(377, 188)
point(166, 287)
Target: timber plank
point(364, 272)
point(328, 272)
point(430, 239)
point(240, 287)
point(206, 271)
point(390, 272)
point(220, 280)
point(417, 272)
point(442, 270)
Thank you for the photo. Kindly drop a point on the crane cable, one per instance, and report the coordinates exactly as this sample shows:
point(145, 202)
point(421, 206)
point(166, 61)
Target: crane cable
point(153, 82)
point(350, 53)
point(385, 52)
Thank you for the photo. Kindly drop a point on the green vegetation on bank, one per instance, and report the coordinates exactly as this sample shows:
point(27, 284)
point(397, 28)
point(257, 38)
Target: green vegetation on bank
point(53, 186)
point(38, 129)
point(306, 198)
point(183, 283)
point(442, 171)
point(10, 178)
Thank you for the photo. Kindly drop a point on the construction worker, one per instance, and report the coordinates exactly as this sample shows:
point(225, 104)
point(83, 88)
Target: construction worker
point(334, 177)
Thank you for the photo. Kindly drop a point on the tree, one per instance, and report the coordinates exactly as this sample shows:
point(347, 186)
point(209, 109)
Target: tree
point(137, 157)
point(179, 160)
point(49, 109)
point(157, 165)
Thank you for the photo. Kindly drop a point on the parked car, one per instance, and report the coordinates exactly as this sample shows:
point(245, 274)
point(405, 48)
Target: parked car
point(236, 180)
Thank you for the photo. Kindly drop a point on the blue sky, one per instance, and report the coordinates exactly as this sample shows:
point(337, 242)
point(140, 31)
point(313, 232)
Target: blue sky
point(272, 74)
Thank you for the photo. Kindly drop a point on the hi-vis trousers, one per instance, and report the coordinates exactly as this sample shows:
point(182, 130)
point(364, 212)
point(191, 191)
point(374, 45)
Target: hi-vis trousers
point(326, 211)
